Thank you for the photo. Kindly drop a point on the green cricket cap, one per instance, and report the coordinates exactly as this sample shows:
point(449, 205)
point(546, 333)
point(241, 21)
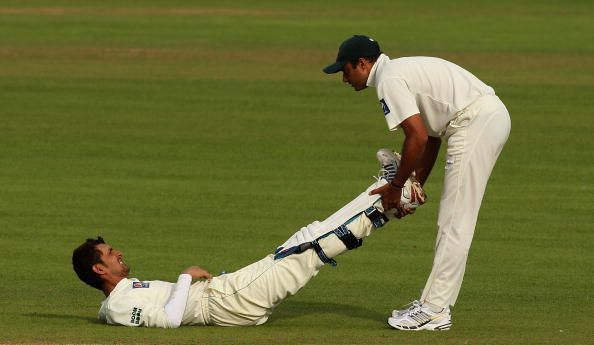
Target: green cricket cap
point(353, 48)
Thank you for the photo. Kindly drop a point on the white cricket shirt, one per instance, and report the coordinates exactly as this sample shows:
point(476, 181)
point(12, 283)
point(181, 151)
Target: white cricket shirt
point(432, 87)
point(142, 303)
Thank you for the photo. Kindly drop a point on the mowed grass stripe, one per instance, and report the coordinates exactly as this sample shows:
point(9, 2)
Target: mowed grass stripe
point(185, 63)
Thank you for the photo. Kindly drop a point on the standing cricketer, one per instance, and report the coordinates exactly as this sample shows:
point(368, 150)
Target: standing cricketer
point(432, 100)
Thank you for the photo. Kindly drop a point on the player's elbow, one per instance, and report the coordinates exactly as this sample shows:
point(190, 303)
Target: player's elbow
point(420, 140)
point(173, 320)
point(423, 139)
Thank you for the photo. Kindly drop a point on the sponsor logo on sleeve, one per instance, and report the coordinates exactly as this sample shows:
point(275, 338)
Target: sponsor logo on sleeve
point(140, 285)
point(384, 105)
point(135, 318)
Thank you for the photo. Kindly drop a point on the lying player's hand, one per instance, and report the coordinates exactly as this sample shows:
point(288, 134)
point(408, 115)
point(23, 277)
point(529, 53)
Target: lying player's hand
point(197, 272)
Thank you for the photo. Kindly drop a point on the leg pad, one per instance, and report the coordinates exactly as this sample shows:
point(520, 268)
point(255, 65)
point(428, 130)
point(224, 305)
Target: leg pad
point(377, 218)
point(280, 253)
point(347, 237)
point(325, 259)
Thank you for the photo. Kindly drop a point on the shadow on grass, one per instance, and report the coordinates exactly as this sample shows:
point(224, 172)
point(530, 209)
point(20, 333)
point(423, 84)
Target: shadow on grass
point(61, 316)
point(292, 309)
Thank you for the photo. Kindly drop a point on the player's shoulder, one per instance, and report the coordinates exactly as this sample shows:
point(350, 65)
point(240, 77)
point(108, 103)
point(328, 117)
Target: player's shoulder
point(401, 67)
point(417, 68)
point(122, 301)
point(412, 63)
point(124, 293)
point(404, 61)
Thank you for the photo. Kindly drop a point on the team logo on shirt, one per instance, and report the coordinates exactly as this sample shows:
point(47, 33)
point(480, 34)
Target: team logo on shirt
point(140, 285)
point(384, 106)
point(135, 318)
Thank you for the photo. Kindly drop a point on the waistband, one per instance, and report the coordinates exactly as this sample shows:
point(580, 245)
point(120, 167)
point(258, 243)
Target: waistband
point(463, 117)
point(474, 103)
point(205, 307)
point(194, 313)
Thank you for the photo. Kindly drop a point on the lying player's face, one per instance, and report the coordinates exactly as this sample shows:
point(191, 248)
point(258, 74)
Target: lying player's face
point(356, 75)
point(113, 262)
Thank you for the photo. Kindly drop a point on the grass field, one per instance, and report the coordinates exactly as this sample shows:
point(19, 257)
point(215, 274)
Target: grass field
point(205, 133)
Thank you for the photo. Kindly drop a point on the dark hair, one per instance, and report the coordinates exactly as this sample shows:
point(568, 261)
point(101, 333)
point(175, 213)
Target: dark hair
point(370, 59)
point(83, 259)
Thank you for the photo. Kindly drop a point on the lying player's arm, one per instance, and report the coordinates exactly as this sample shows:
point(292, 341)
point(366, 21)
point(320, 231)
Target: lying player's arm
point(139, 308)
point(197, 272)
point(176, 305)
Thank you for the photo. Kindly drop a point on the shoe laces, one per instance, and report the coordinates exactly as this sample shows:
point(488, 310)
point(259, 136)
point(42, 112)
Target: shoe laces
point(382, 175)
point(388, 172)
point(377, 178)
point(414, 306)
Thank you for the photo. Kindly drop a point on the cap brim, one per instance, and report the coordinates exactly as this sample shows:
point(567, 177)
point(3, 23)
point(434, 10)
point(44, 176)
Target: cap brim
point(334, 68)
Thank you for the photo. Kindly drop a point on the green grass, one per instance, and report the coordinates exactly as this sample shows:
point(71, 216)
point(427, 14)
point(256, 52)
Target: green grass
point(205, 133)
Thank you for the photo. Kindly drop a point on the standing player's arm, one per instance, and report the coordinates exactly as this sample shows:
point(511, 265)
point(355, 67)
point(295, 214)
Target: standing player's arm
point(413, 148)
point(427, 160)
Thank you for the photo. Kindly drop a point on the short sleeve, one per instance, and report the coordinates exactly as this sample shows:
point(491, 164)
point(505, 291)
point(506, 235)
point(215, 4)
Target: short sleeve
point(397, 102)
point(134, 312)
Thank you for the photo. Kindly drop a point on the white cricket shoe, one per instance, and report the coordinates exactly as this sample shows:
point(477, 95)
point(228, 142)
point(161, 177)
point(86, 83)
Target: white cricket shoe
point(389, 162)
point(413, 194)
point(411, 306)
point(419, 317)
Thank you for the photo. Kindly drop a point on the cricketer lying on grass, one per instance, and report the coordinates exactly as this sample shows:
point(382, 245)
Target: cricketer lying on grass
point(242, 298)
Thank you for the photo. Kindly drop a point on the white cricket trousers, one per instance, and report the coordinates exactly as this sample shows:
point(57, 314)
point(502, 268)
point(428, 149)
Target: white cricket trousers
point(475, 138)
point(247, 297)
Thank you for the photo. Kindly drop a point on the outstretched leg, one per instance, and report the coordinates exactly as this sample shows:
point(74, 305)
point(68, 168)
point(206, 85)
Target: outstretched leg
point(346, 225)
point(247, 297)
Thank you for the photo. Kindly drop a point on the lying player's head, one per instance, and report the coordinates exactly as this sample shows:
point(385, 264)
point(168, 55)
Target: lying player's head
point(94, 262)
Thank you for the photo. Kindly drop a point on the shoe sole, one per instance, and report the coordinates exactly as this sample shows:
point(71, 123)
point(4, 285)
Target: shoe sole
point(425, 327)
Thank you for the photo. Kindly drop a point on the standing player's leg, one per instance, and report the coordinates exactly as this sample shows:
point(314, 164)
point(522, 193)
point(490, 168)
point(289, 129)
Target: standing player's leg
point(247, 297)
point(474, 144)
point(462, 197)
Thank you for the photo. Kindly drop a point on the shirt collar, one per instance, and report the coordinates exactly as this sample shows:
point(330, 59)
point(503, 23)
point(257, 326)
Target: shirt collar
point(122, 284)
point(377, 67)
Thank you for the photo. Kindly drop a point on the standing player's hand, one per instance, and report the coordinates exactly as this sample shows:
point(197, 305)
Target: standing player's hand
point(391, 196)
point(197, 272)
